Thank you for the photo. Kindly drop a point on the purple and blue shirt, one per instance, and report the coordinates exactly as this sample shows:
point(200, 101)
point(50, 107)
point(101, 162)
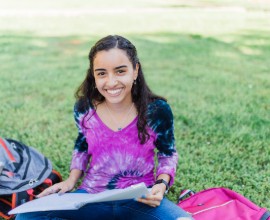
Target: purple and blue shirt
point(116, 159)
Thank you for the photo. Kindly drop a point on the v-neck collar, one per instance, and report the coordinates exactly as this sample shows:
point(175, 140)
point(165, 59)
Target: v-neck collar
point(108, 128)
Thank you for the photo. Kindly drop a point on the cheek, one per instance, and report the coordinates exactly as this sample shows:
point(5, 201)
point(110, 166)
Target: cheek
point(128, 81)
point(99, 84)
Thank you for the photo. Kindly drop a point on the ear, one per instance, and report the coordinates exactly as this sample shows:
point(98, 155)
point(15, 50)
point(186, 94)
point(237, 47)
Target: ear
point(136, 71)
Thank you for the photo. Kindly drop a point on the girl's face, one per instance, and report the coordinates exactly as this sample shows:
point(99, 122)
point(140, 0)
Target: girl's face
point(114, 75)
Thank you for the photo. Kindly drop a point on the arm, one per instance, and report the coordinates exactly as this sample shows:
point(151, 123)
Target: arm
point(63, 186)
point(80, 159)
point(161, 121)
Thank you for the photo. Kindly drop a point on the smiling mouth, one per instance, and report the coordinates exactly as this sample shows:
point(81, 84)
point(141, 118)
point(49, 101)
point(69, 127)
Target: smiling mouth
point(114, 91)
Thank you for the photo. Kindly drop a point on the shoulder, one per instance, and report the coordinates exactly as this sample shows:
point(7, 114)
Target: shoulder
point(160, 121)
point(159, 109)
point(159, 116)
point(80, 108)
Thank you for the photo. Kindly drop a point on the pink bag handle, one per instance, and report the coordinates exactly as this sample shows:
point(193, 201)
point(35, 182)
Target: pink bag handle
point(185, 193)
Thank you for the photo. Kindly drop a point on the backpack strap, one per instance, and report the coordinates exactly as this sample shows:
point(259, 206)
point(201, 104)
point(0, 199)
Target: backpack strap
point(5, 207)
point(55, 177)
point(265, 216)
point(22, 197)
point(3, 144)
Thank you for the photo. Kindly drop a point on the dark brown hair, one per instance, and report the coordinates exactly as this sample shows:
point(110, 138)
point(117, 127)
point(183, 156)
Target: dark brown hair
point(141, 94)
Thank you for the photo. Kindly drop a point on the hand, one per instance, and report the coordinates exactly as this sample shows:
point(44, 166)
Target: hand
point(59, 188)
point(155, 197)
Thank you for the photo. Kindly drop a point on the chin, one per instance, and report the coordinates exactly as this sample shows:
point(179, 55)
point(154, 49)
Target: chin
point(114, 100)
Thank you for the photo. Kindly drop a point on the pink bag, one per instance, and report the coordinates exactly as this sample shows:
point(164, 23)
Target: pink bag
point(220, 204)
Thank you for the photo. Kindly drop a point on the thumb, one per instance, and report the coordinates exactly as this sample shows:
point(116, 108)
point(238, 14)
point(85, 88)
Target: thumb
point(155, 191)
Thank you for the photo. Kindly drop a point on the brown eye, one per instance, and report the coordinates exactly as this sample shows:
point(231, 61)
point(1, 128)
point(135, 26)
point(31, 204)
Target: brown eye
point(120, 71)
point(101, 73)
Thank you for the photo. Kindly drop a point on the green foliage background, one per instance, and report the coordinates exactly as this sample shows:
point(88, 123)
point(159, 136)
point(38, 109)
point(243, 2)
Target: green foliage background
point(210, 59)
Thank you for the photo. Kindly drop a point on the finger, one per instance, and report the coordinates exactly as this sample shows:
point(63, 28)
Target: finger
point(154, 200)
point(154, 197)
point(157, 192)
point(63, 190)
point(48, 191)
point(43, 193)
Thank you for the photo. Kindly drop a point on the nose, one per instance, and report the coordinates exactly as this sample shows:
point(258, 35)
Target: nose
point(112, 80)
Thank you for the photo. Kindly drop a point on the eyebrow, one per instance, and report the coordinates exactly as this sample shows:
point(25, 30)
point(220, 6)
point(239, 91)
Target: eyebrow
point(116, 68)
point(119, 67)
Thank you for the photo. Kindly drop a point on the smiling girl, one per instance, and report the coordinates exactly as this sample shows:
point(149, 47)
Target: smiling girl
point(120, 125)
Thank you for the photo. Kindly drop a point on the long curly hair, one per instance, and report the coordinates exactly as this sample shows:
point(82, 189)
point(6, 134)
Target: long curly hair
point(140, 92)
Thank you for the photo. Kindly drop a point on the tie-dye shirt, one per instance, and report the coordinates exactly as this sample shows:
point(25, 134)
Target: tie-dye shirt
point(116, 159)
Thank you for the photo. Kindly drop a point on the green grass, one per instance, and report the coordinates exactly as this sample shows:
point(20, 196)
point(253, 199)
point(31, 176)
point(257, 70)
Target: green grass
point(211, 63)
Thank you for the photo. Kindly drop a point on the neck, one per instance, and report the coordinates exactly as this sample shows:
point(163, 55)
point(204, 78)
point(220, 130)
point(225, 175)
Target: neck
point(119, 111)
point(119, 107)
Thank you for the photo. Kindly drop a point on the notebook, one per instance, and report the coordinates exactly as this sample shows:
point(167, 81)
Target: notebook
point(72, 201)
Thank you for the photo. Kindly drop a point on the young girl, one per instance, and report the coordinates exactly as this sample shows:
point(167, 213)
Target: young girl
point(120, 124)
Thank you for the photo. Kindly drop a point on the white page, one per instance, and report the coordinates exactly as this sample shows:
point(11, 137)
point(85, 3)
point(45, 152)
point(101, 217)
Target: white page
point(71, 201)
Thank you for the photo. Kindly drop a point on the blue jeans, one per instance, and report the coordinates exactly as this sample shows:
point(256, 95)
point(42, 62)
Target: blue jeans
point(123, 209)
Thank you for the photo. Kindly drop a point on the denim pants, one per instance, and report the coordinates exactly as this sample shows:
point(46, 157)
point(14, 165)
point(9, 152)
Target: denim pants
point(116, 210)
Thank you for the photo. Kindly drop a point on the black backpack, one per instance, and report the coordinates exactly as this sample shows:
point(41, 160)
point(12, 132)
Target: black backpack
point(25, 173)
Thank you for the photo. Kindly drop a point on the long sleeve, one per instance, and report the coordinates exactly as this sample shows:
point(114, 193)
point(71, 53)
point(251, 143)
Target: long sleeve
point(80, 156)
point(161, 121)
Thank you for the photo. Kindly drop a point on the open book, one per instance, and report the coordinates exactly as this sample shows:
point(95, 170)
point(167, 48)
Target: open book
point(69, 201)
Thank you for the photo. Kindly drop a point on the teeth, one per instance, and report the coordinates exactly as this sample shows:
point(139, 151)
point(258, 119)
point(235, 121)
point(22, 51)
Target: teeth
point(113, 91)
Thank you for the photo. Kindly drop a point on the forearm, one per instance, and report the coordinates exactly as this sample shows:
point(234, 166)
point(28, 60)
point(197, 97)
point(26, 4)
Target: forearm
point(74, 176)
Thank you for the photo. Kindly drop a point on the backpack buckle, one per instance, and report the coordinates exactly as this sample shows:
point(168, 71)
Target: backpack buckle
point(32, 181)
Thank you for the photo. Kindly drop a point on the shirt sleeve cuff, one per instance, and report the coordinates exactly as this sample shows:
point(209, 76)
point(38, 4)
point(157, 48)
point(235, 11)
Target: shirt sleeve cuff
point(167, 165)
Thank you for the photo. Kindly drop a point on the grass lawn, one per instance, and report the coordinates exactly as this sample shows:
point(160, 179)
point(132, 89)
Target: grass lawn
point(210, 59)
